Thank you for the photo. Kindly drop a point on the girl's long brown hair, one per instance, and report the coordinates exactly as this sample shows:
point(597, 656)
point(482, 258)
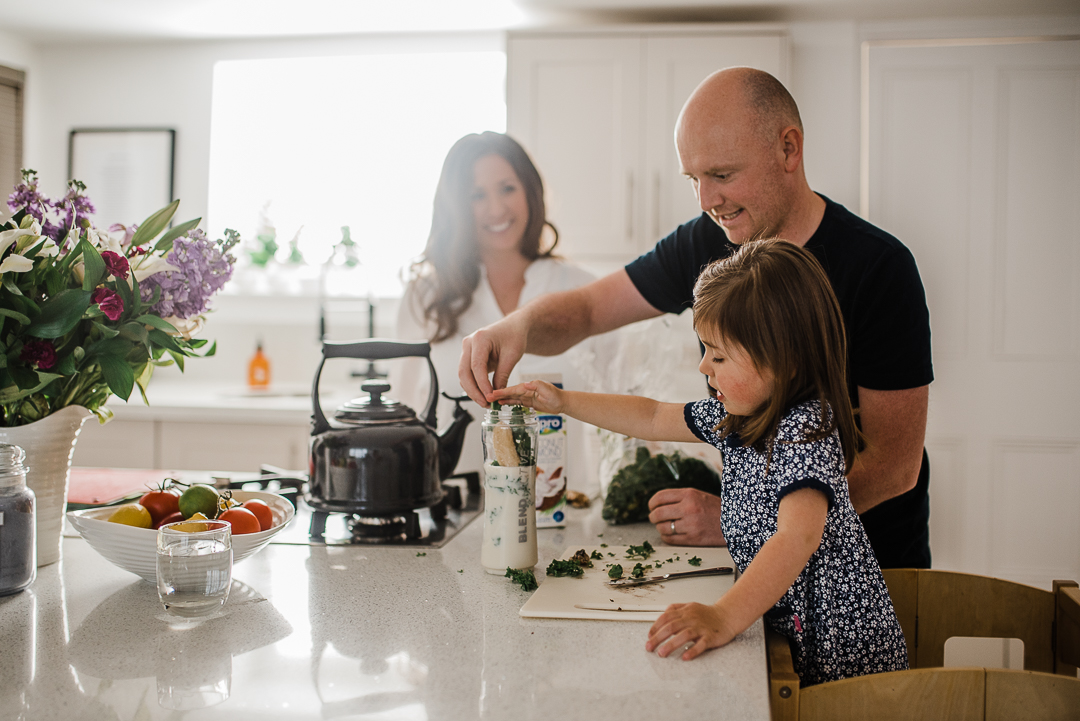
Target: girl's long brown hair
point(773, 299)
point(449, 268)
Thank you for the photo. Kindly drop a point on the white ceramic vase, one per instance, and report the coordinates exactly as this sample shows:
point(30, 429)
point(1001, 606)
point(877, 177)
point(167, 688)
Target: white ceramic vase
point(49, 445)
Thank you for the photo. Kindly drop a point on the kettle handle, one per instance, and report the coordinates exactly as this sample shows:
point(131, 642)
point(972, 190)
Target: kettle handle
point(374, 349)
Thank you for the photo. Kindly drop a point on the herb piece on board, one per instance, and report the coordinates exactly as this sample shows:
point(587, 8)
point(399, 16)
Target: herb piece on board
point(627, 499)
point(418, 554)
point(582, 559)
point(695, 561)
point(643, 551)
point(638, 571)
point(615, 571)
point(564, 568)
point(596, 556)
point(525, 578)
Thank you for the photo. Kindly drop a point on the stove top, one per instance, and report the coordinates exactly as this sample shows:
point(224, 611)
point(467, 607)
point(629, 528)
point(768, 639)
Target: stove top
point(422, 527)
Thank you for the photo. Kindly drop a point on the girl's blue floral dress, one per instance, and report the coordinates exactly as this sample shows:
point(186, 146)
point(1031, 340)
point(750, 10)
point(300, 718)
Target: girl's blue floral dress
point(838, 613)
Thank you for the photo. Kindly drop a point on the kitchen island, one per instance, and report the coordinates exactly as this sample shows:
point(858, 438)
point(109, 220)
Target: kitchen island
point(355, 632)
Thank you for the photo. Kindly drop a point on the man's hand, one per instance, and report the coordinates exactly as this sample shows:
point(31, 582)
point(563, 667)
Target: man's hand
point(696, 517)
point(498, 348)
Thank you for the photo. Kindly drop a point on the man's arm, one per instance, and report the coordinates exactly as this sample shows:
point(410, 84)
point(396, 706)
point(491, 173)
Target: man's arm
point(894, 424)
point(548, 325)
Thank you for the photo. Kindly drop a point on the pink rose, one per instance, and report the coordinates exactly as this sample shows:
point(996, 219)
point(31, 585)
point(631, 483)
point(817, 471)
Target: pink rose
point(110, 302)
point(39, 353)
point(115, 264)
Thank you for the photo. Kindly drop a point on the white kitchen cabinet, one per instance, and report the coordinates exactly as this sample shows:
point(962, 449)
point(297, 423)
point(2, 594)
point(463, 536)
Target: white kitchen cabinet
point(597, 113)
point(192, 445)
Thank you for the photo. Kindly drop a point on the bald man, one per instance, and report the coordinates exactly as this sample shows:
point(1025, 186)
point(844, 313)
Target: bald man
point(740, 142)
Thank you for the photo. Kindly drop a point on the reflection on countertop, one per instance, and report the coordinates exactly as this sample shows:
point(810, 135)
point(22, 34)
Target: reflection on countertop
point(352, 632)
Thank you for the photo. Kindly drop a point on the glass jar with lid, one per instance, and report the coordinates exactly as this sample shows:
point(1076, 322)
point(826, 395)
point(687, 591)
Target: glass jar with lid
point(18, 557)
point(510, 435)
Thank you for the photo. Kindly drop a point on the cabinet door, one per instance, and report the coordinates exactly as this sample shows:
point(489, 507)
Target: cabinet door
point(117, 444)
point(232, 447)
point(574, 103)
point(675, 66)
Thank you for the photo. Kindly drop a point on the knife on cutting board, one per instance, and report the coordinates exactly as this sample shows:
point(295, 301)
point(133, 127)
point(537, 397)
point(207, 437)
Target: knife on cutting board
point(624, 582)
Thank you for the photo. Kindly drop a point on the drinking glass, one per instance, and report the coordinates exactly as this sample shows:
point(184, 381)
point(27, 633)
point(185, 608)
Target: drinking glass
point(194, 567)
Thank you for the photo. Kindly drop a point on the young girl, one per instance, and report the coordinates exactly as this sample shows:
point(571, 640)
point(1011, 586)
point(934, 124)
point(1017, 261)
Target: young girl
point(775, 358)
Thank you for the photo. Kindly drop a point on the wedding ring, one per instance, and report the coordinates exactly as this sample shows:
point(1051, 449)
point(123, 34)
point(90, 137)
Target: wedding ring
point(673, 528)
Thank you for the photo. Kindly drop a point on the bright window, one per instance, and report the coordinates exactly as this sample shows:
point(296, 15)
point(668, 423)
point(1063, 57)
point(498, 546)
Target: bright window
point(322, 143)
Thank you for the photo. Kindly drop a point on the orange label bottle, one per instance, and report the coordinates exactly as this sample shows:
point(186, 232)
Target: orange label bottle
point(259, 369)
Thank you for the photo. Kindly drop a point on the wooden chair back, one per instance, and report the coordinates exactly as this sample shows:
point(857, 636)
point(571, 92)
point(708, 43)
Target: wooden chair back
point(932, 607)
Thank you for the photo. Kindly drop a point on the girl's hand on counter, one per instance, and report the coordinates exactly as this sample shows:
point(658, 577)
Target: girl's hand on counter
point(683, 623)
point(542, 396)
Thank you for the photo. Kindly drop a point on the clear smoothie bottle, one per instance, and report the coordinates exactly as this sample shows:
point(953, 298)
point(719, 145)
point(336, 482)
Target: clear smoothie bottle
point(510, 434)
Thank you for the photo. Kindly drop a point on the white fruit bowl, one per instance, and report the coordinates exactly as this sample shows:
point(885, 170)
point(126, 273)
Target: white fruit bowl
point(135, 549)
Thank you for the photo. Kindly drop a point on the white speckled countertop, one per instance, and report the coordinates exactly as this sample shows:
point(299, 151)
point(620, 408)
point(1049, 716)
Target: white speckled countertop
point(353, 633)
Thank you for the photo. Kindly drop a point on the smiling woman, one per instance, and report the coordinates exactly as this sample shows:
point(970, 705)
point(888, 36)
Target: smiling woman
point(358, 142)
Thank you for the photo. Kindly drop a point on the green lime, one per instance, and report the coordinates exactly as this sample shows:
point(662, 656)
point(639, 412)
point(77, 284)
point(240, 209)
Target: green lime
point(131, 514)
point(199, 498)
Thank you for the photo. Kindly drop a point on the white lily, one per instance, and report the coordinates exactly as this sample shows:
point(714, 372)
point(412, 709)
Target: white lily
point(103, 241)
point(187, 327)
point(11, 237)
point(149, 264)
point(49, 250)
point(16, 264)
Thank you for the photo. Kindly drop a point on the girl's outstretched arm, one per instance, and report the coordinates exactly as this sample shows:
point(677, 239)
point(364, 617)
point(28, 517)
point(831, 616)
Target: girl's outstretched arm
point(634, 416)
point(800, 523)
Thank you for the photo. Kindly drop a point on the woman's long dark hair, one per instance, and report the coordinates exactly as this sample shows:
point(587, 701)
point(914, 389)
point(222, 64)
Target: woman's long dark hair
point(773, 299)
point(449, 269)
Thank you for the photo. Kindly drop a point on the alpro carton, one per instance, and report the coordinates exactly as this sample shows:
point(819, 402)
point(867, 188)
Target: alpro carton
point(551, 474)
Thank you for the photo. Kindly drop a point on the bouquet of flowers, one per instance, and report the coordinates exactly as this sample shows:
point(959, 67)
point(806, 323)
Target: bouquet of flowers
point(85, 314)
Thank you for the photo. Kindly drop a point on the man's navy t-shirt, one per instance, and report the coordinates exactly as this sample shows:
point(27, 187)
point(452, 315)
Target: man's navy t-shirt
point(883, 302)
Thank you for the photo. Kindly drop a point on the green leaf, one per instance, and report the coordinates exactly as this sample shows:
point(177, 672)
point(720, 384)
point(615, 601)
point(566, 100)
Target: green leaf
point(174, 233)
point(106, 331)
point(13, 393)
point(118, 374)
point(136, 332)
point(93, 265)
point(153, 225)
point(22, 319)
point(66, 366)
point(179, 358)
point(60, 314)
point(165, 341)
point(10, 286)
point(154, 321)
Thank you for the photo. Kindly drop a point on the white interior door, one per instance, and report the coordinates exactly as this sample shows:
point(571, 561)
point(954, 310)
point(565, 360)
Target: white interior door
point(675, 66)
point(974, 163)
point(574, 104)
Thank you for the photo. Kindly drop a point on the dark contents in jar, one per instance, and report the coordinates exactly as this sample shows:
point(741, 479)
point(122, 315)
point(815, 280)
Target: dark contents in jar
point(16, 543)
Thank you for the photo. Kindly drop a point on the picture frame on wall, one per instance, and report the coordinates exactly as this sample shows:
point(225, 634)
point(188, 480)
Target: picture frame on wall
point(128, 172)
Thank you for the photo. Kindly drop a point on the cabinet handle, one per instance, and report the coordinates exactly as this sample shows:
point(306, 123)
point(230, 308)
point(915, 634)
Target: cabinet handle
point(630, 205)
point(656, 207)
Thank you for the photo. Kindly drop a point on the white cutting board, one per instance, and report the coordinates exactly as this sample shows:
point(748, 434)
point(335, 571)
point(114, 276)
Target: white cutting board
point(558, 597)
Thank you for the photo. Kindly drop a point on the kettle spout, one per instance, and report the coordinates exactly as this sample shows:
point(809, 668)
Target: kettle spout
point(452, 439)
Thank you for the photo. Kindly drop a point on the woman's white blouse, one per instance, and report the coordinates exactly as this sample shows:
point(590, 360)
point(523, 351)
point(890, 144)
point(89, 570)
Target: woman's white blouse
point(409, 377)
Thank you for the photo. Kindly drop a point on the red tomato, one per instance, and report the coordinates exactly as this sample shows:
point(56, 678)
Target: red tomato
point(160, 504)
point(262, 512)
point(242, 520)
point(171, 518)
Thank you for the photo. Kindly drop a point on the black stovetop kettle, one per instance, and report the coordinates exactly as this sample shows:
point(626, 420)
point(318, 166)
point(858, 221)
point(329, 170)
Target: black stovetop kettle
point(375, 457)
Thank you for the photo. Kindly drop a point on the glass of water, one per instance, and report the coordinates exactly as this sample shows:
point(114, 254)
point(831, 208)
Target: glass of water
point(194, 567)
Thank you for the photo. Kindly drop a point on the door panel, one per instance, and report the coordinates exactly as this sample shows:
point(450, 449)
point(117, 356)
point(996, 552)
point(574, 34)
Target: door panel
point(974, 163)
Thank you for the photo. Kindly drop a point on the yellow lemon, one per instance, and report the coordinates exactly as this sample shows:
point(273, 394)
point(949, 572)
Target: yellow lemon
point(132, 514)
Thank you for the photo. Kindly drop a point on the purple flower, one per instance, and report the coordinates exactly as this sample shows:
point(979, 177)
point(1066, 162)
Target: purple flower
point(110, 302)
point(116, 264)
point(203, 268)
point(76, 206)
point(26, 196)
point(39, 353)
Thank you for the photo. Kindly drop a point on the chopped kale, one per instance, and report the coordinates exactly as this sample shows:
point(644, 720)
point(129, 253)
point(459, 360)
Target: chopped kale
point(418, 554)
point(596, 556)
point(627, 499)
point(564, 568)
point(643, 551)
point(638, 571)
point(582, 559)
point(525, 578)
point(615, 571)
point(695, 561)
point(603, 545)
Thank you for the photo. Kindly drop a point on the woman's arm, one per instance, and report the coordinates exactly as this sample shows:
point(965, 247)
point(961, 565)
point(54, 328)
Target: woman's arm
point(634, 416)
point(800, 523)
